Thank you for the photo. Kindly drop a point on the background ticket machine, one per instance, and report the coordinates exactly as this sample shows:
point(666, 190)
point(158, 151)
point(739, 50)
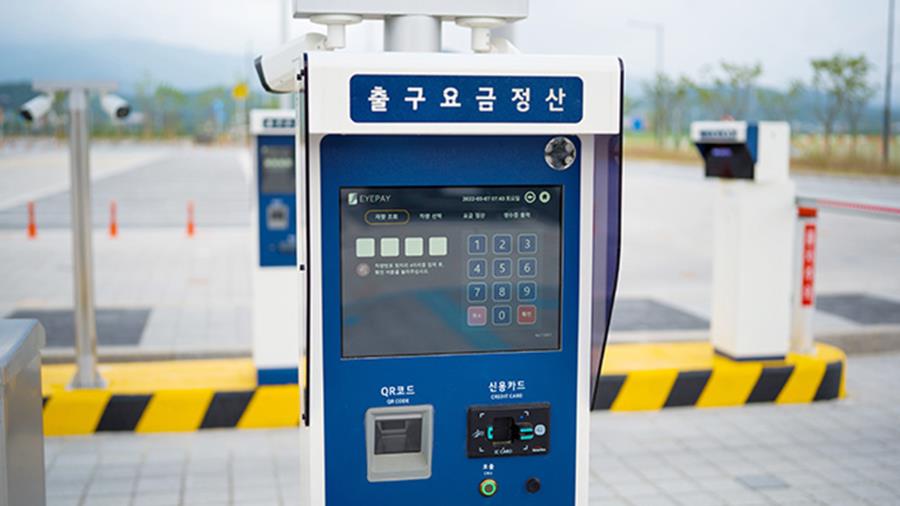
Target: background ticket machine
point(463, 238)
point(275, 289)
point(753, 247)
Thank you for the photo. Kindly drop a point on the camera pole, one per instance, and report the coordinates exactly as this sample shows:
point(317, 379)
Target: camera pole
point(86, 373)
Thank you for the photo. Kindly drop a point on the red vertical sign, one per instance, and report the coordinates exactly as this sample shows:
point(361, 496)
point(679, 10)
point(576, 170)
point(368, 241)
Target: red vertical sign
point(809, 263)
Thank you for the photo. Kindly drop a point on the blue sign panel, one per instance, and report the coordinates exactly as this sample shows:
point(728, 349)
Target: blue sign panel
point(465, 99)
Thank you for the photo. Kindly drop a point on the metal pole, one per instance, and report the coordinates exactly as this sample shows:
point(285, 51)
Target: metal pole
point(660, 48)
point(86, 375)
point(659, 31)
point(285, 101)
point(412, 33)
point(889, 68)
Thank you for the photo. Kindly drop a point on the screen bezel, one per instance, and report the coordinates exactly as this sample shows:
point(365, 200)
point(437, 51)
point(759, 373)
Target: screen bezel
point(559, 287)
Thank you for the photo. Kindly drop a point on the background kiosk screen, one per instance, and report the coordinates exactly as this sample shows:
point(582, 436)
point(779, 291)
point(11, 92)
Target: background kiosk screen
point(277, 169)
point(432, 270)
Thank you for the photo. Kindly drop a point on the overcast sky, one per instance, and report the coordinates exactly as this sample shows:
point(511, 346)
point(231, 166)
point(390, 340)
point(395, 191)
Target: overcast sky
point(782, 34)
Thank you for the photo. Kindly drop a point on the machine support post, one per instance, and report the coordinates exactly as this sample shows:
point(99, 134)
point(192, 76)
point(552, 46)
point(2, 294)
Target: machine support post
point(86, 375)
point(412, 33)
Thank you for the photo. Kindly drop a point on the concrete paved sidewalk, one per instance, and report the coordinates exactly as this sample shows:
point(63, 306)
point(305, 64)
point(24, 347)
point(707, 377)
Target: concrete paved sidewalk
point(843, 452)
point(197, 290)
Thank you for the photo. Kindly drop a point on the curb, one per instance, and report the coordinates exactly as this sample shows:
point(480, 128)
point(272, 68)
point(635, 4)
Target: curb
point(181, 410)
point(720, 387)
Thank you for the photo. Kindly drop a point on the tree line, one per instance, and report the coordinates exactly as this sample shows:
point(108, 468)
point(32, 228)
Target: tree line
point(838, 95)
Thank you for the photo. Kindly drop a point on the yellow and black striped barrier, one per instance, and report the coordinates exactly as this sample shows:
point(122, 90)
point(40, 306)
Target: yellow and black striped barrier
point(184, 396)
point(176, 396)
point(726, 383)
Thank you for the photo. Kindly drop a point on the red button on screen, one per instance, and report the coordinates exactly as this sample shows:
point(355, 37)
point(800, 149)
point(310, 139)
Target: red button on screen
point(526, 315)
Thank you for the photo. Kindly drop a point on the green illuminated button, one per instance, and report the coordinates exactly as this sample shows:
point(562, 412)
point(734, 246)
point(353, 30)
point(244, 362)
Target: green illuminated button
point(488, 487)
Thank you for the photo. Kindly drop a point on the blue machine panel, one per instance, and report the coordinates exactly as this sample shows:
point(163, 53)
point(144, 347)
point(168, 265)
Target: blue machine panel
point(275, 186)
point(459, 385)
point(465, 99)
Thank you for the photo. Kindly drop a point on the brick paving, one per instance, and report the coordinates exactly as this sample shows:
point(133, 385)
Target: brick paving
point(842, 452)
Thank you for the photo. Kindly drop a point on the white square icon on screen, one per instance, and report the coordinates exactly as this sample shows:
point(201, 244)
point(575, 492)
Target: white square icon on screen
point(365, 247)
point(414, 246)
point(390, 247)
point(437, 246)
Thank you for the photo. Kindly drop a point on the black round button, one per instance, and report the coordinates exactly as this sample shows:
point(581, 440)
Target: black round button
point(533, 485)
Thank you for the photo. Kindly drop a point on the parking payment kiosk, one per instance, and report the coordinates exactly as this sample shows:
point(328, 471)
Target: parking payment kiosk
point(276, 350)
point(462, 249)
point(753, 246)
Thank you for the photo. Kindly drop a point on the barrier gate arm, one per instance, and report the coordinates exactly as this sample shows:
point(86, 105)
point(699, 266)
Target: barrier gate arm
point(869, 209)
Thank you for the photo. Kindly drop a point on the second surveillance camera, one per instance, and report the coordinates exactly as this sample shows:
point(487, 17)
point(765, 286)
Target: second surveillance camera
point(115, 106)
point(36, 108)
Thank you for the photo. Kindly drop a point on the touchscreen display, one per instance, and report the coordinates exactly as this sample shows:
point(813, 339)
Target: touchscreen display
point(277, 169)
point(436, 270)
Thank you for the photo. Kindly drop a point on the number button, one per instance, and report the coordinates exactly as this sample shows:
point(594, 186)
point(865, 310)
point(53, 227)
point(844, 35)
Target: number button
point(527, 267)
point(502, 244)
point(501, 315)
point(502, 292)
point(477, 244)
point(477, 292)
point(477, 269)
point(527, 243)
point(527, 291)
point(502, 267)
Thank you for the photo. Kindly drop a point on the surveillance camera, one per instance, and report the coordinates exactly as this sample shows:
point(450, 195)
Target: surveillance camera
point(277, 70)
point(115, 106)
point(36, 108)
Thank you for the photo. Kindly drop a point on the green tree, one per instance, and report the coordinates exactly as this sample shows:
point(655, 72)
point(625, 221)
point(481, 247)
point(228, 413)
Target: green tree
point(668, 100)
point(859, 94)
point(841, 81)
point(144, 100)
point(781, 105)
point(730, 90)
point(679, 102)
point(169, 103)
point(737, 83)
point(708, 99)
point(658, 93)
point(205, 101)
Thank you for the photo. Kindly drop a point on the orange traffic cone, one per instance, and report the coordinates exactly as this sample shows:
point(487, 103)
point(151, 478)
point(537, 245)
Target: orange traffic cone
point(32, 223)
point(190, 218)
point(113, 221)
